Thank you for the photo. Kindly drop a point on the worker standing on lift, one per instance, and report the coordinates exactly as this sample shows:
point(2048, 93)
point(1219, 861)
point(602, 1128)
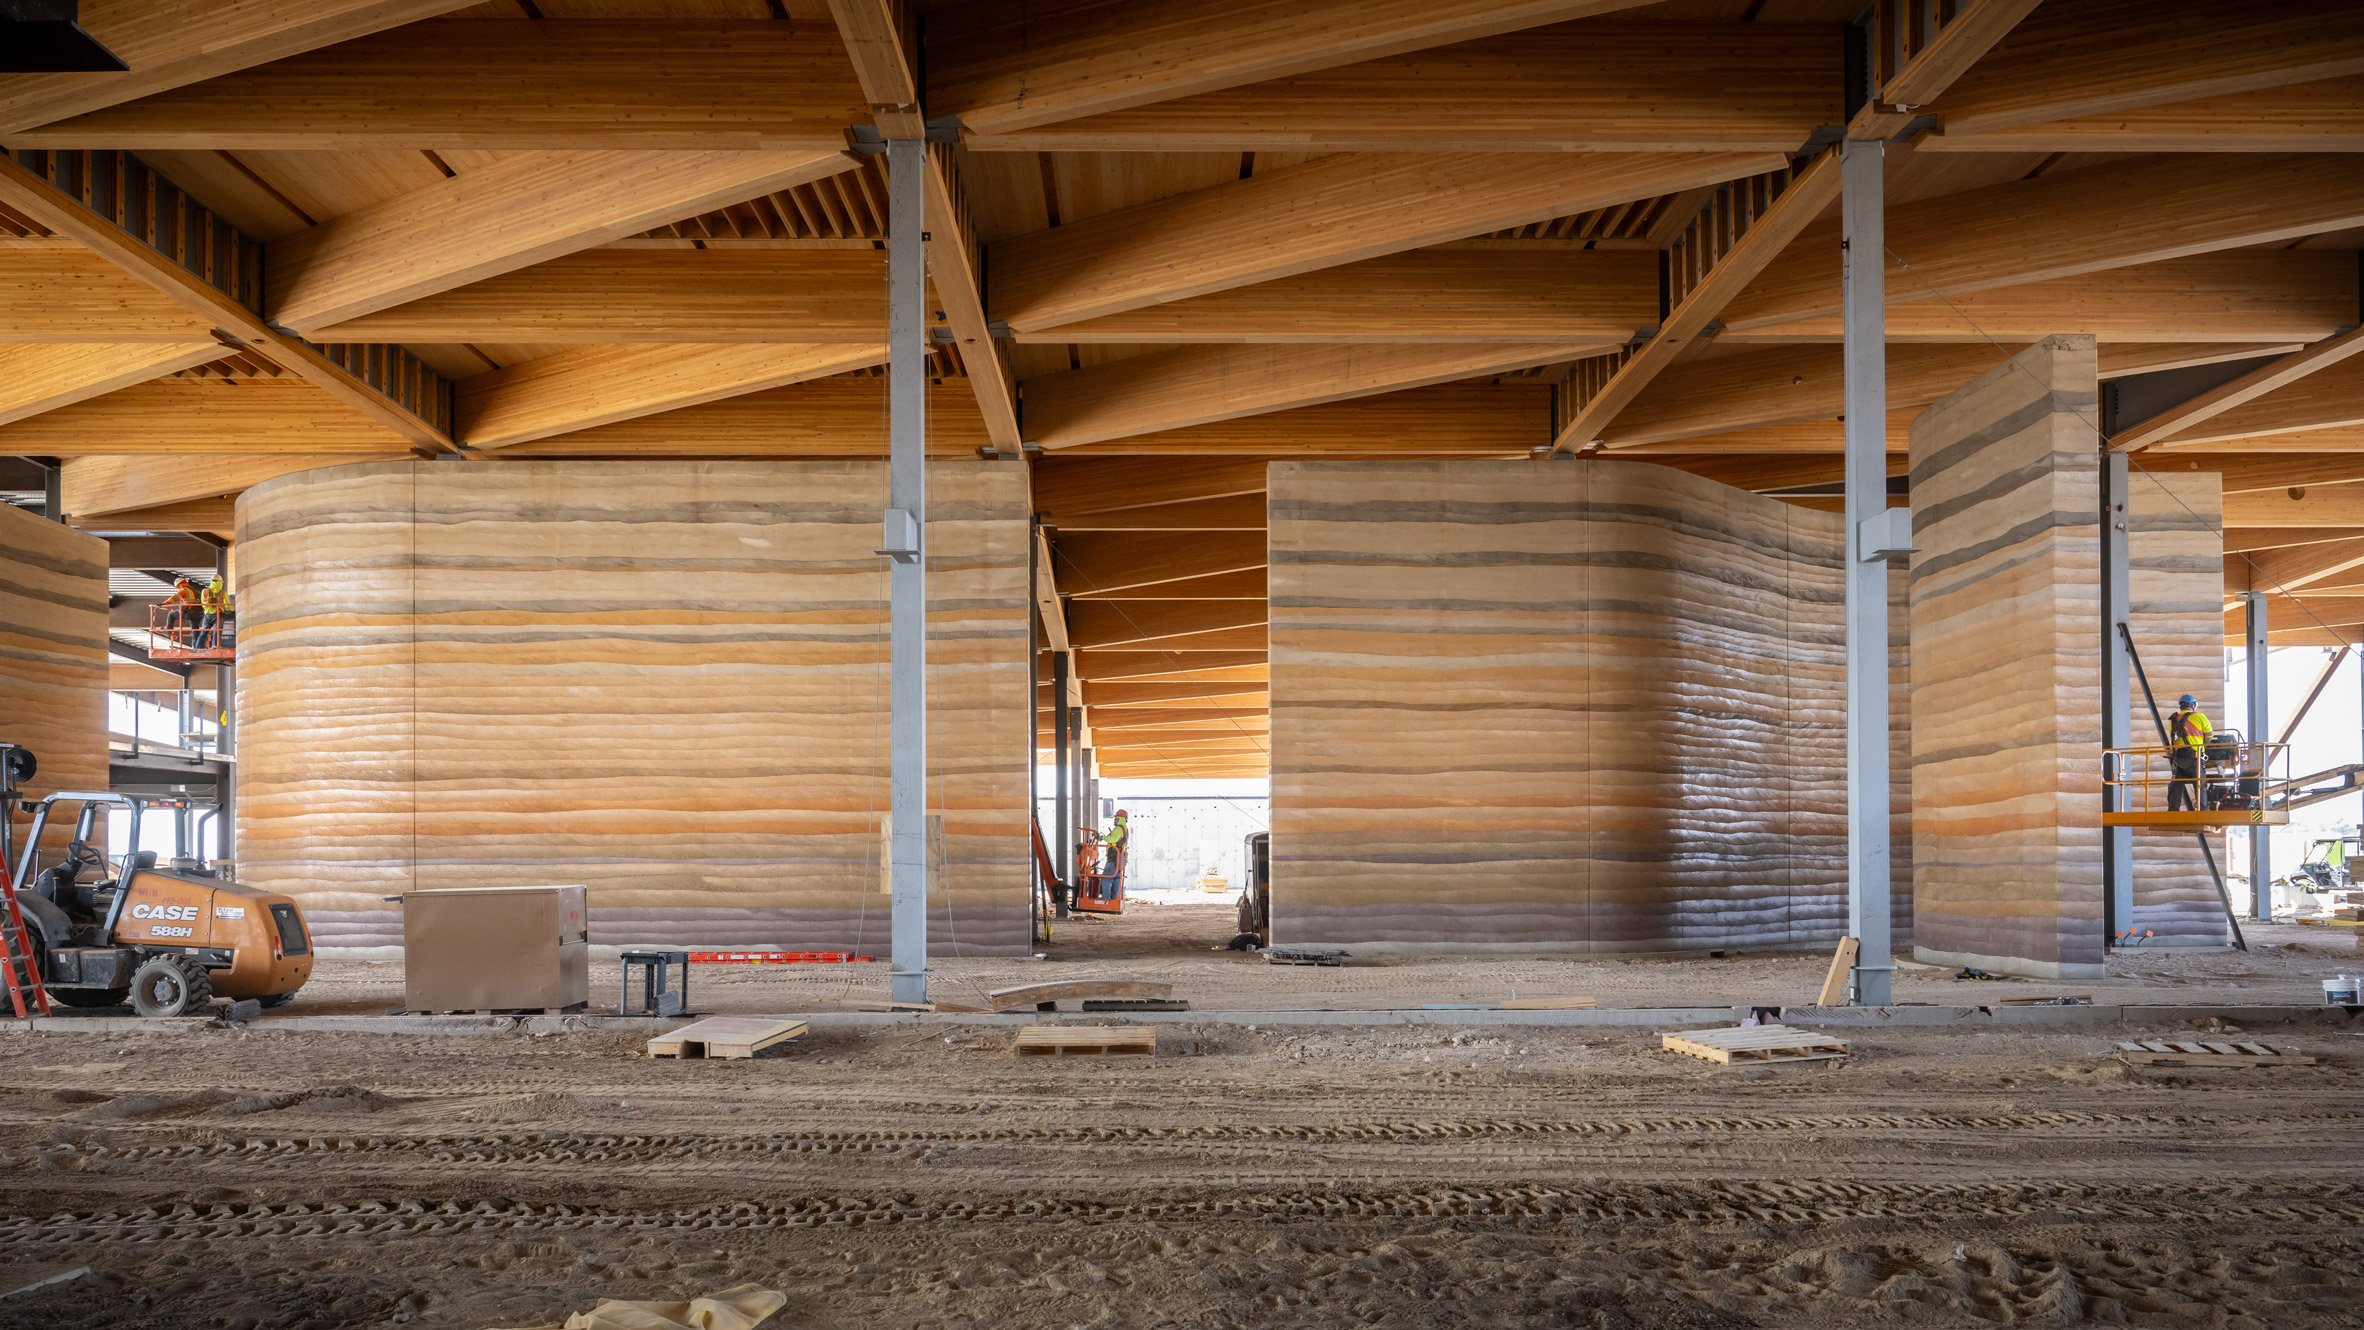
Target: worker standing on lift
point(1118, 839)
point(215, 600)
point(2187, 738)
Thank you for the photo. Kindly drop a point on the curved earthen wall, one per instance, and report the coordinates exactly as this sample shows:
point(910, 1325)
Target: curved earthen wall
point(1591, 706)
point(664, 680)
point(53, 657)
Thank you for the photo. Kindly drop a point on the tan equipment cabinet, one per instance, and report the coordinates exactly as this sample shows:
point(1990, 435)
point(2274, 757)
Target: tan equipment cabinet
point(495, 949)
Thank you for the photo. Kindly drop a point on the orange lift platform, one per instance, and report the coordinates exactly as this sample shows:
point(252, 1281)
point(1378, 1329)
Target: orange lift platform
point(177, 633)
point(2240, 783)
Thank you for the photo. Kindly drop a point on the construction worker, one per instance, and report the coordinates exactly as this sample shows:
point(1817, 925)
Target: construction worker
point(177, 608)
point(1119, 832)
point(2187, 740)
point(215, 601)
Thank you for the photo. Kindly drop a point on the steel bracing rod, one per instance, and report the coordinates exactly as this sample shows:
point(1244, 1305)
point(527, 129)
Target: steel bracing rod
point(1865, 344)
point(906, 544)
point(2224, 897)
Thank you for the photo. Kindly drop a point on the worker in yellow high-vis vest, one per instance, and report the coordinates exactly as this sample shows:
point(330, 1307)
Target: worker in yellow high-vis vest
point(2187, 739)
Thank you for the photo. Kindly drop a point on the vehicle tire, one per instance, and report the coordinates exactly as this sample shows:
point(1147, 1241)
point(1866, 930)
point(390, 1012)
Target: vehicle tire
point(278, 999)
point(89, 997)
point(170, 986)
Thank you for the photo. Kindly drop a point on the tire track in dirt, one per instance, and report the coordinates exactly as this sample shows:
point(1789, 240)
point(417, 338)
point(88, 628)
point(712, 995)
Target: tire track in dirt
point(2333, 1204)
point(514, 1148)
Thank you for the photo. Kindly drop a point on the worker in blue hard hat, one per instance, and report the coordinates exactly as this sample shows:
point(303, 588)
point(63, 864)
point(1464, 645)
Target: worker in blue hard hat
point(2187, 739)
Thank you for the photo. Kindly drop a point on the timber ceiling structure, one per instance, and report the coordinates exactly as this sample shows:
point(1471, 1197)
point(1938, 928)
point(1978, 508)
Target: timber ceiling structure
point(1169, 241)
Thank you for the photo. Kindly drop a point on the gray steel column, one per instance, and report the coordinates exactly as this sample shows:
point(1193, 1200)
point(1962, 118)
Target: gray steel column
point(53, 499)
point(2258, 729)
point(1062, 734)
point(1865, 344)
point(2117, 688)
point(226, 715)
point(906, 526)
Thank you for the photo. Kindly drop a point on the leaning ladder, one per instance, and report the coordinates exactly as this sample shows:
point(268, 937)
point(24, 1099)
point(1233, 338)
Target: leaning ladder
point(21, 969)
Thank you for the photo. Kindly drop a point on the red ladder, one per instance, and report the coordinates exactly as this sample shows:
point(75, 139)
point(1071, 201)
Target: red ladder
point(17, 962)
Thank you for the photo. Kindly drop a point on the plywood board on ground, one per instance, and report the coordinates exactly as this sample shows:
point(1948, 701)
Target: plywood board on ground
point(1049, 994)
point(1755, 1043)
point(1096, 1040)
point(1548, 1004)
point(725, 1037)
point(2208, 1053)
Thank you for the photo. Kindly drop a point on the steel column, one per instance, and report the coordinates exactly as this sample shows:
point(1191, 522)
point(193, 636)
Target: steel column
point(906, 527)
point(1062, 733)
point(1865, 345)
point(53, 497)
point(2259, 726)
point(2117, 687)
point(225, 699)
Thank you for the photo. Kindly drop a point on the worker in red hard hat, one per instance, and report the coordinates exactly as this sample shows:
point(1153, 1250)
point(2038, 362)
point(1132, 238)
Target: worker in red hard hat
point(1119, 837)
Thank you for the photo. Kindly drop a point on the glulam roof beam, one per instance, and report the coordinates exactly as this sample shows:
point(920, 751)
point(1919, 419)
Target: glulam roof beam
point(1003, 68)
point(1500, 294)
point(44, 377)
point(1245, 584)
point(1105, 561)
point(1331, 211)
point(114, 206)
point(1071, 488)
point(1592, 86)
point(465, 83)
point(598, 385)
point(2324, 116)
point(2297, 568)
point(102, 485)
point(2239, 295)
point(511, 213)
point(2193, 416)
point(1741, 228)
point(2330, 395)
point(1920, 49)
point(2097, 57)
point(1238, 512)
point(193, 415)
point(1466, 419)
point(648, 295)
point(838, 416)
point(1117, 623)
point(59, 293)
point(2065, 223)
point(172, 43)
point(1200, 384)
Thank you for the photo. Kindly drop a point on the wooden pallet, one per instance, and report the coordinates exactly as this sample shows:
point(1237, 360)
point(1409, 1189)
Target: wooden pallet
point(1096, 1040)
point(725, 1037)
point(2208, 1053)
point(1046, 997)
point(1755, 1043)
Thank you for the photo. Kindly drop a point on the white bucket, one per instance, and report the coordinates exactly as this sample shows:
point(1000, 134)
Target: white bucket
point(2343, 991)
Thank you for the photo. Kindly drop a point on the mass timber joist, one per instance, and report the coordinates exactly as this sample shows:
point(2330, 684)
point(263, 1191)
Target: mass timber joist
point(53, 293)
point(2296, 568)
point(1111, 623)
point(1583, 87)
point(2240, 295)
point(1071, 487)
point(648, 295)
point(2059, 225)
point(100, 485)
point(2102, 56)
point(1238, 512)
point(171, 43)
point(464, 83)
point(511, 213)
point(1199, 384)
point(839, 416)
point(1151, 664)
point(203, 415)
point(1503, 418)
point(1104, 561)
point(596, 385)
point(44, 377)
point(113, 205)
point(1739, 229)
point(2325, 116)
point(2299, 506)
point(1429, 295)
point(2192, 416)
point(1331, 211)
point(1005, 68)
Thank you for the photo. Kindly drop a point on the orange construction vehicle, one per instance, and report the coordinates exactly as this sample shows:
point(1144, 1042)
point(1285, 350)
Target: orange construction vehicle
point(168, 942)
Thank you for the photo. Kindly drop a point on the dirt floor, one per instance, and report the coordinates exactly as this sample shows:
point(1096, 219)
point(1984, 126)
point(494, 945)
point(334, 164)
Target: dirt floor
point(1181, 943)
point(1255, 1175)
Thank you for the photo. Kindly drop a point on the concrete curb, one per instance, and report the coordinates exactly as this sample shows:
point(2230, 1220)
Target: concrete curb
point(1905, 1017)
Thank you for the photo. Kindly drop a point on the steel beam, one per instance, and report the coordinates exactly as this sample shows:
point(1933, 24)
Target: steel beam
point(906, 528)
point(1062, 733)
point(2260, 724)
point(2117, 687)
point(1864, 338)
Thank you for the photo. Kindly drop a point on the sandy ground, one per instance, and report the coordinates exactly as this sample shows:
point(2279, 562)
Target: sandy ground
point(1247, 1176)
point(1180, 943)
